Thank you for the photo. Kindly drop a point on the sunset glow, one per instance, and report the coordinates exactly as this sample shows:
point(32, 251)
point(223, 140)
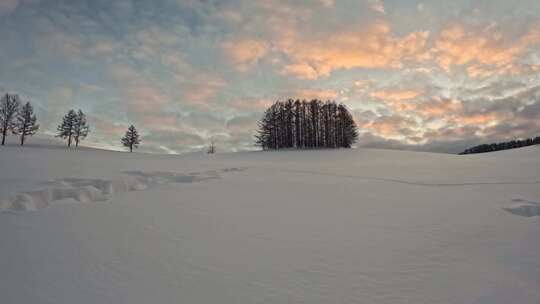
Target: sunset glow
point(423, 75)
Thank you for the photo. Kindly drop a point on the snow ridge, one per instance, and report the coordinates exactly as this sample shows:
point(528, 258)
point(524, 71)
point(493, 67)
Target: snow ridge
point(412, 183)
point(94, 190)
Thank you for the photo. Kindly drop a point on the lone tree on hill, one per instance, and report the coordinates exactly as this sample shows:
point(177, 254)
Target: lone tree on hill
point(131, 139)
point(211, 148)
point(80, 128)
point(306, 125)
point(26, 122)
point(9, 107)
point(67, 127)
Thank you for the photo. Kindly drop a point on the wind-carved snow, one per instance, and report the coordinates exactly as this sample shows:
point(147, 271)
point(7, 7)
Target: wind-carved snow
point(524, 208)
point(94, 190)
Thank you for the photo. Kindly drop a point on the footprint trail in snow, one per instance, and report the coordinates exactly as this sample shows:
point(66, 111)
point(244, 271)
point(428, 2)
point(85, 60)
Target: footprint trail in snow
point(94, 190)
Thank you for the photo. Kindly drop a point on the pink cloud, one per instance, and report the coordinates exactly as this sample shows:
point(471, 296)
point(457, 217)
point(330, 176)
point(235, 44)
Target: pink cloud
point(160, 121)
point(251, 104)
point(146, 99)
point(396, 95)
point(106, 127)
point(200, 90)
point(399, 127)
point(246, 52)
point(300, 70)
point(323, 94)
point(373, 47)
point(439, 107)
point(485, 51)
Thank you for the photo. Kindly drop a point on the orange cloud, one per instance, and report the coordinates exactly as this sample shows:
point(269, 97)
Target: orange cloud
point(316, 94)
point(374, 47)
point(245, 53)
point(398, 100)
point(439, 107)
point(301, 70)
point(477, 119)
point(395, 95)
point(486, 51)
point(391, 126)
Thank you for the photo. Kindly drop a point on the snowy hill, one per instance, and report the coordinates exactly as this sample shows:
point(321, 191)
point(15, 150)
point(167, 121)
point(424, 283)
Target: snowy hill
point(327, 226)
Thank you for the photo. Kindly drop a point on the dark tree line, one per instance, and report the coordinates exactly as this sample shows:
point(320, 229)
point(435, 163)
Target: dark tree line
point(502, 146)
point(305, 125)
point(16, 119)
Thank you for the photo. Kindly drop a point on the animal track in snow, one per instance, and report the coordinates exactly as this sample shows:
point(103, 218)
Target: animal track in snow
point(93, 190)
point(524, 208)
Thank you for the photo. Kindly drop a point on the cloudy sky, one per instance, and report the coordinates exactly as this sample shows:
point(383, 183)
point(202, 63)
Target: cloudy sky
point(425, 75)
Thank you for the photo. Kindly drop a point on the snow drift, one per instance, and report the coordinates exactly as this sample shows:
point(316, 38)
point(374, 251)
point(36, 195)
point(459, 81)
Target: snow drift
point(94, 190)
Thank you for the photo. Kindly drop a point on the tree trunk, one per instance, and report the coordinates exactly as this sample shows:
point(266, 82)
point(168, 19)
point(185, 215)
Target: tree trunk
point(130, 148)
point(69, 141)
point(22, 139)
point(4, 136)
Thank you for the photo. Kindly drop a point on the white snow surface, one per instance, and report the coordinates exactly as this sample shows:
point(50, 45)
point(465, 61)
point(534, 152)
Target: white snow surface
point(341, 226)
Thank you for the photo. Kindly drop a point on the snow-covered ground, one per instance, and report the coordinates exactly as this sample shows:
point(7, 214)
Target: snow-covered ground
point(347, 226)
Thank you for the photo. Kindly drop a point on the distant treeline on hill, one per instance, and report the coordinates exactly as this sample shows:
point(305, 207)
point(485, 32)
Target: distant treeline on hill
point(502, 146)
point(306, 125)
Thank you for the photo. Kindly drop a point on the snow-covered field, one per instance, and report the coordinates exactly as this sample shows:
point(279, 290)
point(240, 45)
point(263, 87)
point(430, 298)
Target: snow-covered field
point(347, 226)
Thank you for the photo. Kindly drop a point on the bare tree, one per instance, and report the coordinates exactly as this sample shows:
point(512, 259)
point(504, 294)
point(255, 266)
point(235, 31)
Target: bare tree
point(80, 128)
point(211, 148)
point(26, 122)
point(9, 107)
